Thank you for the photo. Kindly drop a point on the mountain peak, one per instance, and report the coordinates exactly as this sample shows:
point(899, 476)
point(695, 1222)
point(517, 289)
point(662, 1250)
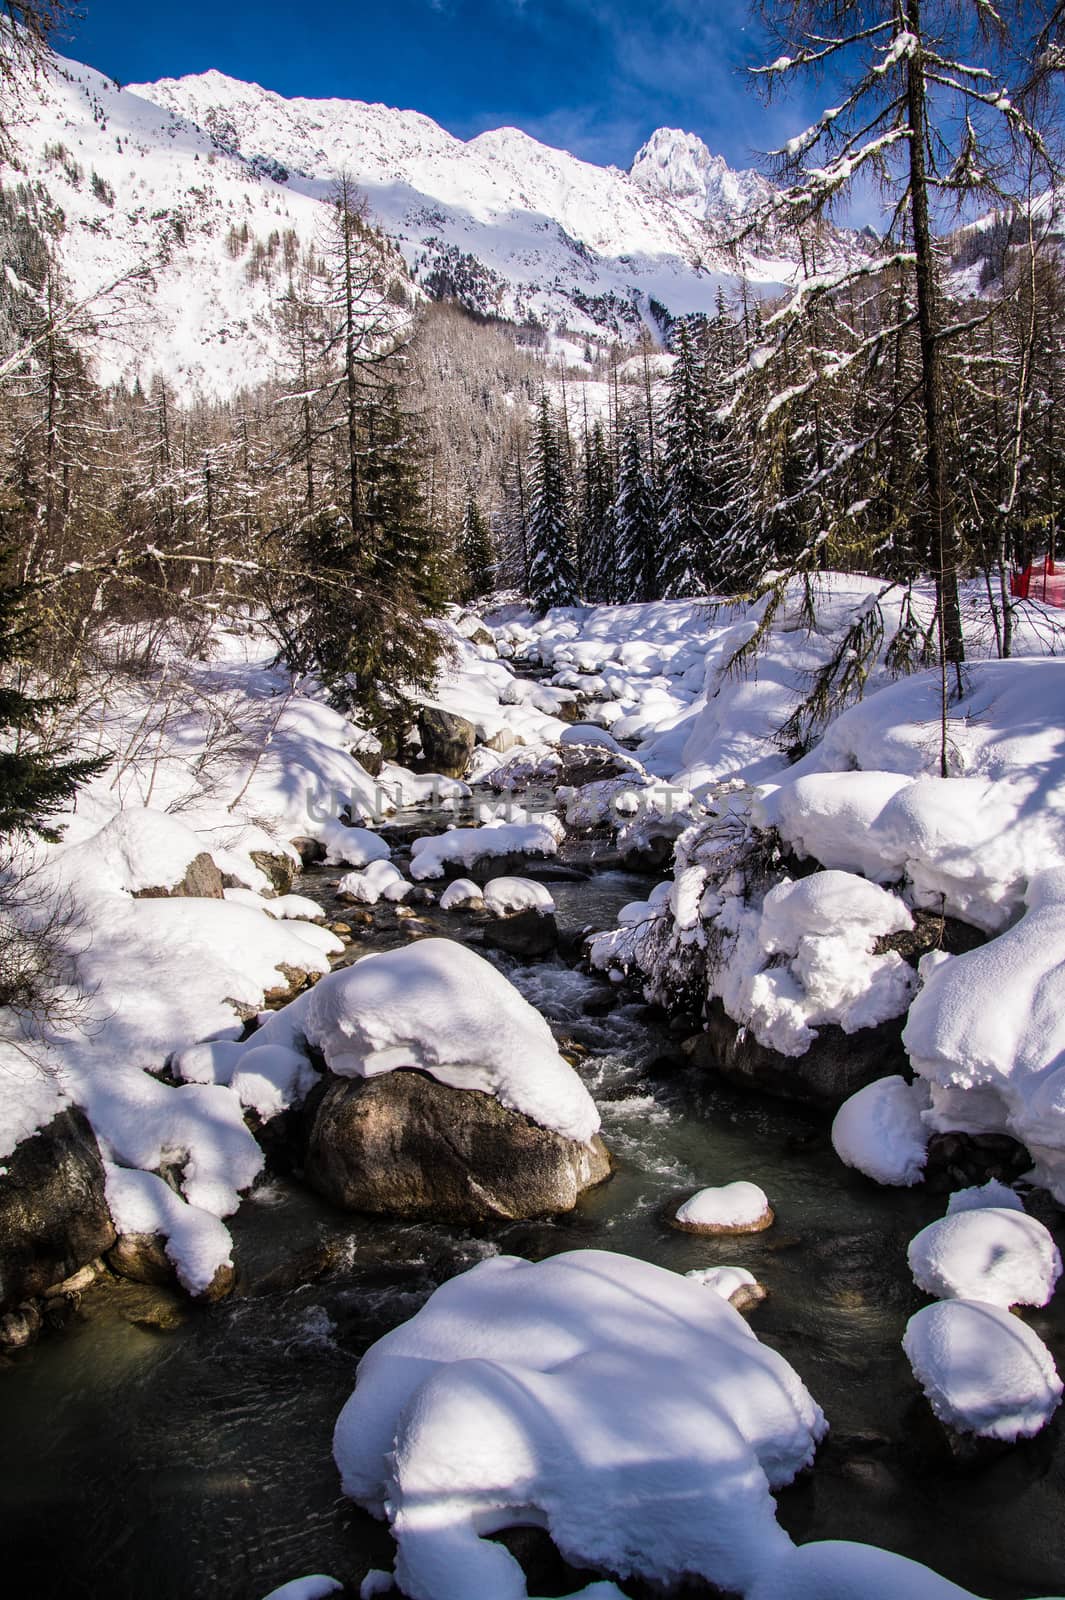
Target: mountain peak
point(678, 166)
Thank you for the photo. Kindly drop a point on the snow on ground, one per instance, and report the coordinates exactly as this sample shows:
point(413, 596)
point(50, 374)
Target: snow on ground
point(1003, 1257)
point(983, 1371)
point(633, 1414)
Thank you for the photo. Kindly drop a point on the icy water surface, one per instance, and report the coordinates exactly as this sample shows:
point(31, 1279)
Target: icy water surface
point(156, 1453)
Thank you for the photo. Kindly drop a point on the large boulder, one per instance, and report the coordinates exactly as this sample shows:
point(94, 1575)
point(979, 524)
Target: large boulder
point(202, 880)
point(448, 741)
point(405, 1145)
point(53, 1208)
point(835, 1066)
point(523, 933)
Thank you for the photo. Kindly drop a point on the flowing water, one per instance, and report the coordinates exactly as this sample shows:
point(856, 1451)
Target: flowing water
point(156, 1452)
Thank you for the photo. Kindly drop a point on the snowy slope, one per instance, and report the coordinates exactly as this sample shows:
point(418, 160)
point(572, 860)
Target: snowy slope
point(163, 197)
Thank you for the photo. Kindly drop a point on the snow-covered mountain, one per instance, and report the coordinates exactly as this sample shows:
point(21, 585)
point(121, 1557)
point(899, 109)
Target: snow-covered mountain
point(226, 180)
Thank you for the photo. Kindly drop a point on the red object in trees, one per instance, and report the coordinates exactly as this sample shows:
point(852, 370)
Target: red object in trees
point(1040, 581)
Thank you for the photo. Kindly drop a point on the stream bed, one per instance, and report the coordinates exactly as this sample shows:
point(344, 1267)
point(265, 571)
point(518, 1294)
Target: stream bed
point(151, 1449)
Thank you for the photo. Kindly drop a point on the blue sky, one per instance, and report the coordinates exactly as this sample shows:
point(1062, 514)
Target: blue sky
point(592, 76)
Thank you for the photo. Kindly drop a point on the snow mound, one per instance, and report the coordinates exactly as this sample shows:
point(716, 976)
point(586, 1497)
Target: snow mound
point(379, 881)
point(462, 894)
point(464, 846)
point(732, 1207)
point(984, 1371)
point(807, 959)
point(196, 1241)
point(1000, 1067)
point(991, 1193)
point(880, 1131)
point(271, 1077)
point(138, 849)
point(635, 1415)
point(1001, 1257)
point(725, 1281)
point(351, 847)
point(315, 1587)
point(504, 896)
point(438, 1007)
point(836, 1569)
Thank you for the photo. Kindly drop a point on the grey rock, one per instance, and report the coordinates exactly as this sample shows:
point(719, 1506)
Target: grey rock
point(202, 881)
point(448, 741)
point(53, 1209)
point(404, 1145)
point(525, 933)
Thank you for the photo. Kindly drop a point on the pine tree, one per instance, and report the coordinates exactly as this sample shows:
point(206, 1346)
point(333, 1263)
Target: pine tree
point(37, 777)
point(687, 491)
point(636, 522)
point(598, 535)
point(475, 542)
point(552, 574)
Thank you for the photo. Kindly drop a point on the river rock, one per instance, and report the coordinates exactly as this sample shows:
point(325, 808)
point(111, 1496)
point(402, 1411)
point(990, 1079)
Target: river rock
point(835, 1066)
point(278, 867)
point(53, 1209)
point(404, 1145)
point(202, 880)
point(524, 933)
point(966, 1160)
point(310, 851)
point(582, 764)
point(142, 1258)
point(448, 741)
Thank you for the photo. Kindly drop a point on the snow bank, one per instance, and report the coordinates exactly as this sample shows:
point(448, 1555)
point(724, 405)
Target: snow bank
point(636, 1415)
point(464, 846)
point(881, 1131)
point(1001, 1257)
point(732, 1208)
point(983, 1370)
point(439, 1007)
point(503, 896)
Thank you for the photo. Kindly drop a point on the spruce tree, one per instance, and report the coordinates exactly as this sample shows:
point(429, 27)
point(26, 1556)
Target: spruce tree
point(636, 523)
point(37, 778)
point(552, 574)
point(475, 545)
point(687, 491)
point(598, 531)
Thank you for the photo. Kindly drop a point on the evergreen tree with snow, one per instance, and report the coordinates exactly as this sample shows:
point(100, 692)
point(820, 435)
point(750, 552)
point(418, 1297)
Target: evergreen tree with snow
point(475, 547)
point(687, 501)
point(598, 534)
point(552, 572)
point(635, 522)
point(37, 775)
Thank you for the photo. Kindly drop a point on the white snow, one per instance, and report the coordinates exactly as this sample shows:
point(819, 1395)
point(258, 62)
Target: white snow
point(439, 1007)
point(464, 846)
point(381, 880)
point(836, 1569)
point(732, 1205)
point(881, 1131)
point(1002, 1257)
point(991, 1193)
point(351, 847)
point(987, 1032)
point(725, 1281)
point(315, 1587)
point(504, 896)
point(984, 1371)
point(461, 895)
point(196, 1241)
point(631, 1413)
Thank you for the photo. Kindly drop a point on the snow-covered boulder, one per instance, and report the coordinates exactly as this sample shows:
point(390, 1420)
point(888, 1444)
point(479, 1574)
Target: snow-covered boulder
point(477, 850)
point(983, 1371)
point(987, 1033)
point(145, 853)
point(630, 1410)
point(881, 1131)
point(381, 880)
point(733, 1208)
point(153, 1222)
point(734, 1284)
point(836, 1569)
point(1003, 1257)
point(462, 895)
point(440, 1008)
point(351, 846)
point(503, 897)
point(523, 917)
